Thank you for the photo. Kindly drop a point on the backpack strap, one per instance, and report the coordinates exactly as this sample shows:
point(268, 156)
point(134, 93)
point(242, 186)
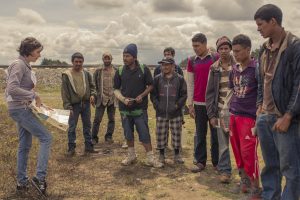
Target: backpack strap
point(120, 69)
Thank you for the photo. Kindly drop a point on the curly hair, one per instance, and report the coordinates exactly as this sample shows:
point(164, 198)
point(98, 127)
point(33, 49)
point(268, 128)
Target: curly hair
point(28, 45)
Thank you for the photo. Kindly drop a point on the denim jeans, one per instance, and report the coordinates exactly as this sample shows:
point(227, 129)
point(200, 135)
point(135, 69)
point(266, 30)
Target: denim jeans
point(200, 152)
point(98, 118)
point(141, 125)
point(28, 125)
point(83, 109)
point(224, 164)
point(279, 152)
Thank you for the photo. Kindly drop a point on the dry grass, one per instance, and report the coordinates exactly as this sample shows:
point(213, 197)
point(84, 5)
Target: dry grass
point(101, 176)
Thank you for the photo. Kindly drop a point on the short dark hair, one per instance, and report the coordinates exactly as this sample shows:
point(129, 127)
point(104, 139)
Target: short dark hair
point(242, 40)
point(170, 49)
point(199, 37)
point(77, 55)
point(269, 11)
point(28, 45)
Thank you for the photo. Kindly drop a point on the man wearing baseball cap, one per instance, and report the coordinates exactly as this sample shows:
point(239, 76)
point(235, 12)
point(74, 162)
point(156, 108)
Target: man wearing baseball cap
point(169, 96)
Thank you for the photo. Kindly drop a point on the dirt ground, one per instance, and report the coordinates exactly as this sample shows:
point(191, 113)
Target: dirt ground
point(101, 176)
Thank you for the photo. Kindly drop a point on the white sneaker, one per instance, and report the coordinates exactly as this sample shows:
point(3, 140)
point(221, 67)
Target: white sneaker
point(130, 158)
point(124, 145)
point(152, 161)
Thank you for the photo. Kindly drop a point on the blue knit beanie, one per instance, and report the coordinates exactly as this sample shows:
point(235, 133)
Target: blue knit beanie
point(131, 49)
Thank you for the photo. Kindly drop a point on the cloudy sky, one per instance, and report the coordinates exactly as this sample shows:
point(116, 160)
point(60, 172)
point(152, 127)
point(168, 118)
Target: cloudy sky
point(95, 26)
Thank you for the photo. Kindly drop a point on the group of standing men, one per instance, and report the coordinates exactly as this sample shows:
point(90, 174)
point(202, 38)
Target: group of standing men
point(244, 101)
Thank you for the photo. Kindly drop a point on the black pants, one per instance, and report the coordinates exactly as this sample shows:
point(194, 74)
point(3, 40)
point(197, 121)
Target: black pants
point(200, 153)
point(98, 118)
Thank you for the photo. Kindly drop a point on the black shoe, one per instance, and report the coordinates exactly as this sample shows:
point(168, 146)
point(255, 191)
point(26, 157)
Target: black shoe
point(109, 140)
point(40, 186)
point(71, 152)
point(90, 151)
point(22, 188)
point(95, 141)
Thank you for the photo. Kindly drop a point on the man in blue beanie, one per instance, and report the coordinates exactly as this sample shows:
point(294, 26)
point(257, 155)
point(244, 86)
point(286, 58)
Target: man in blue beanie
point(132, 84)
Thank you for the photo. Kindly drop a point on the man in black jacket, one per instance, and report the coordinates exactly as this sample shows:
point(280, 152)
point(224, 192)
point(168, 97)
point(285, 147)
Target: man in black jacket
point(169, 96)
point(278, 105)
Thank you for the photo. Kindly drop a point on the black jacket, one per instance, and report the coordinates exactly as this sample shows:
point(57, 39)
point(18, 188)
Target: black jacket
point(169, 95)
point(286, 81)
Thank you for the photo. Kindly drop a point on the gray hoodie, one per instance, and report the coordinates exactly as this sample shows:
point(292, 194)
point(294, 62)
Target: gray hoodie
point(21, 80)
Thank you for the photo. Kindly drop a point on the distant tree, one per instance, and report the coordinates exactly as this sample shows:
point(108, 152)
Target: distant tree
point(47, 61)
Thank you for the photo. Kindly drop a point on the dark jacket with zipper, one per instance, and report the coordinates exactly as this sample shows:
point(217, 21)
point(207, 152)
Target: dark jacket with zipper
point(169, 95)
point(212, 89)
point(286, 79)
point(68, 90)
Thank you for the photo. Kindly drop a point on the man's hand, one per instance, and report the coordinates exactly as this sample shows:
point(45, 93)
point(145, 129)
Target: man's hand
point(71, 113)
point(128, 101)
point(283, 123)
point(92, 100)
point(38, 101)
point(139, 99)
point(259, 110)
point(214, 122)
point(192, 111)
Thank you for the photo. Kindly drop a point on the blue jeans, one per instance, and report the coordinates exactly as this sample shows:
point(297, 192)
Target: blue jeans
point(141, 124)
point(279, 152)
point(224, 164)
point(98, 118)
point(83, 109)
point(28, 125)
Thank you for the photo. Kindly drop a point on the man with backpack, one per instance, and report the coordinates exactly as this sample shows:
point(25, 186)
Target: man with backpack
point(197, 75)
point(132, 84)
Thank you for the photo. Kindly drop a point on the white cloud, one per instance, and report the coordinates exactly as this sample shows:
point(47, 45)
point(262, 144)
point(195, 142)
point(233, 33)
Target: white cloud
point(29, 16)
point(172, 5)
point(99, 3)
point(233, 10)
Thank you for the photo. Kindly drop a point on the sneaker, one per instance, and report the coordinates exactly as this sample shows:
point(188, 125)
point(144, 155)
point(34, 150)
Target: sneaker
point(130, 159)
point(198, 168)
point(243, 186)
point(255, 194)
point(152, 162)
point(161, 158)
point(71, 152)
point(178, 159)
point(225, 178)
point(124, 145)
point(39, 185)
point(22, 188)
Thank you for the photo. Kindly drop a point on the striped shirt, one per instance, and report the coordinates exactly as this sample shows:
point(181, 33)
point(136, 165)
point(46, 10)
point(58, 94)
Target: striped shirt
point(223, 86)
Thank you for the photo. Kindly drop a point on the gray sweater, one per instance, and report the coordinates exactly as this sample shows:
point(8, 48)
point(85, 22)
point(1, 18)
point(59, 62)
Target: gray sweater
point(20, 83)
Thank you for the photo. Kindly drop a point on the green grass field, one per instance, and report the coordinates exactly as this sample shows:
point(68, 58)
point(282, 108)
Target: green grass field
point(101, 176)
